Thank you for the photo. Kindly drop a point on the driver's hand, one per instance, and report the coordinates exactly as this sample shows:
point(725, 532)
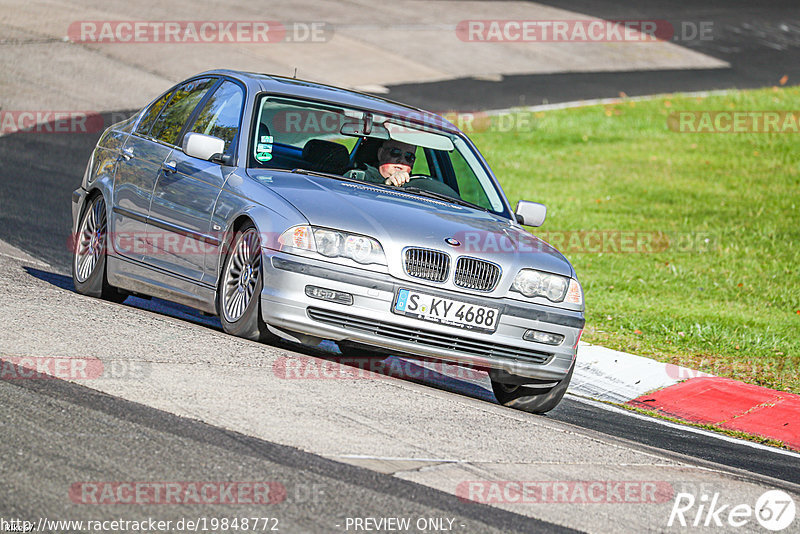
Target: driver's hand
point(397, 179)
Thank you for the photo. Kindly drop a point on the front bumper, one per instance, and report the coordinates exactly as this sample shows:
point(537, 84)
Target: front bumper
point(369, 320)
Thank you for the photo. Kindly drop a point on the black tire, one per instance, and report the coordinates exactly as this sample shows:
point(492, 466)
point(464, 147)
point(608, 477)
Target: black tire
point(89, 252)
point(530, 399)
point(242, 318)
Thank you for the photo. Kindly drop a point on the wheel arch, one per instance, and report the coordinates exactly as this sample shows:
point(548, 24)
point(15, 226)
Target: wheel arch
point(237, 223)
point(104, 185)
point(268, 223)
point(227, 239)
point(97, 189)
point(249, 324)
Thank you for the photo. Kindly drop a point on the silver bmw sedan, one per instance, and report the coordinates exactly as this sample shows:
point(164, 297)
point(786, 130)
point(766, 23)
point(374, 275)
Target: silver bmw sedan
point(302, 211)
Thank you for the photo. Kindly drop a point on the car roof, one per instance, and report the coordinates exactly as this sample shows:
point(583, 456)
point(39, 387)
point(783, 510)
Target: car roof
point(270, 83)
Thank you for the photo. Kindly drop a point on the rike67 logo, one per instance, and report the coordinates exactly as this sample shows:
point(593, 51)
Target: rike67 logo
point(774, 510)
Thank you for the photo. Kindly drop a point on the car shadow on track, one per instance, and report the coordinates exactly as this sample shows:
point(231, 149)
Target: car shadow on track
point(461, 380)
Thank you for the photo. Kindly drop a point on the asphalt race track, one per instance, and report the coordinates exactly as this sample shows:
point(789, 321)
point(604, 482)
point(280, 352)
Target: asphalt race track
point(38, 224)
point(127, 436)
point(760, 41)
point(55, 433)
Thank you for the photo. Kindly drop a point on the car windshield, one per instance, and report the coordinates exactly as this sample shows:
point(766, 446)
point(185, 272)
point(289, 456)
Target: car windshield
point(293, 134)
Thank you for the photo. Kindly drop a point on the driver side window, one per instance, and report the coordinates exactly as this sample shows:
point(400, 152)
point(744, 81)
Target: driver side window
point(170, 123)
point(152, 112)
point(220, 116)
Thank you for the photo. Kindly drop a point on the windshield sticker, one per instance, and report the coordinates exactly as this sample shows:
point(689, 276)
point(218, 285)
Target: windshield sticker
point(264, 149)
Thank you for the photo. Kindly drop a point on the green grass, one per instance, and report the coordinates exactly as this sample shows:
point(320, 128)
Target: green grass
point(729, 305)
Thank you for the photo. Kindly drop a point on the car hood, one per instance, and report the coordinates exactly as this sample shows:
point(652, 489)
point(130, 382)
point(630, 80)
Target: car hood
point(398, 220)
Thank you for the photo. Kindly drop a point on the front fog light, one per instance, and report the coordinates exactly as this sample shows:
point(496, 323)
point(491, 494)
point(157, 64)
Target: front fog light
point(340, 297)
point(543, 337)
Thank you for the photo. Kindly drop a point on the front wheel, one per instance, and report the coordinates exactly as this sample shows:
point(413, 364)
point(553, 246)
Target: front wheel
point(89, 254)
point(239, 293)
point(530, 399)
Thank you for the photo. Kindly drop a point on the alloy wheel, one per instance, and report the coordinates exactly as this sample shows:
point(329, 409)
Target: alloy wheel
point(241, 275)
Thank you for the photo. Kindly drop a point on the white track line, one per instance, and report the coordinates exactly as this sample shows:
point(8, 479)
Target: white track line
point(397, 459)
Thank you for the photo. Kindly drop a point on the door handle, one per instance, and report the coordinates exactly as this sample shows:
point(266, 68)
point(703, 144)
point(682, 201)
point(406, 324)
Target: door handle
point(126, 153)
point(169, 167)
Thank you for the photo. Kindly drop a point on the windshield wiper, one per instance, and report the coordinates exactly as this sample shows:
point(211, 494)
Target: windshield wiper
point(440, 196)
point(335, 176)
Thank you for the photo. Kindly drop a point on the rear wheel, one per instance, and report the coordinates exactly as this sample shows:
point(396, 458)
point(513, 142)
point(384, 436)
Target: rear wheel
point(530, 399)
point(89, 254)
point(239, 293)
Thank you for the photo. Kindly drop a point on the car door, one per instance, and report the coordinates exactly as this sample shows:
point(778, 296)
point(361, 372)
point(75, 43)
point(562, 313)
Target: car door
point(187, 189)
point(137, 169)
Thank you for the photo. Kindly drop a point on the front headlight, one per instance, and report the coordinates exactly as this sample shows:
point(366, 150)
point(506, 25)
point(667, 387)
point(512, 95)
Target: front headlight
point(298, 237)
point(329, 242)
point(363, 249)
point(334, 244)
point(532, 283)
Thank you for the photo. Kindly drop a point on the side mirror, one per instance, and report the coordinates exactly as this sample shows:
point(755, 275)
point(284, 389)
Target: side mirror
point(530, 213)
point(202, 146)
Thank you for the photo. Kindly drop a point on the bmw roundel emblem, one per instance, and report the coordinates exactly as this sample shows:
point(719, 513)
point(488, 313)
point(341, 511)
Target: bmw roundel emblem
point(452, 241)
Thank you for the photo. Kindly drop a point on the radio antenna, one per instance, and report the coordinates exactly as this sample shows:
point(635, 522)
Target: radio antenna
point(295, 73)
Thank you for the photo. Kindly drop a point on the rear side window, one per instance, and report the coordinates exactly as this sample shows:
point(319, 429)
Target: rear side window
point(169, 124)
point(220, 116)
point(151, 114)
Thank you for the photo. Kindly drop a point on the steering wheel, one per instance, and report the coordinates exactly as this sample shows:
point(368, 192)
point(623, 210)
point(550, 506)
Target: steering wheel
point(426, 183)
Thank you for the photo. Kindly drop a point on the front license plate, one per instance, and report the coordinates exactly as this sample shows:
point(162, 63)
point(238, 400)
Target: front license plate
point(446, 311)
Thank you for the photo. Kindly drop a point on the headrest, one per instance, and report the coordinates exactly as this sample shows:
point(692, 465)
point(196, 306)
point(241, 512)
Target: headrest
point(326, 156)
